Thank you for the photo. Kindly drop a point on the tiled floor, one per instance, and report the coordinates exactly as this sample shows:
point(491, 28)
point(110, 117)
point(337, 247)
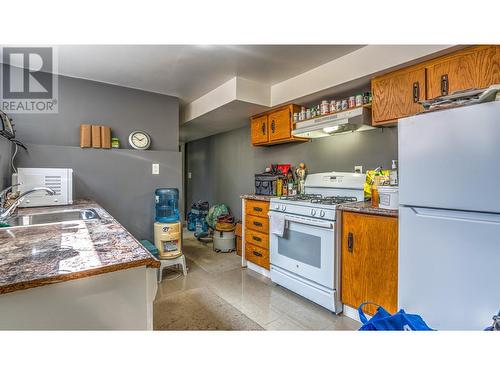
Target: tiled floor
point(269, 305)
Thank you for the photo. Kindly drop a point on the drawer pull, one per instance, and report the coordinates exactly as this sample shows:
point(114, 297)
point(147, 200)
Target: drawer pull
point(258, 239)
point(263, 128)
point(350, 242)
point(273, 127)
point(256, 253)
point(257, 224)
point(258, 209)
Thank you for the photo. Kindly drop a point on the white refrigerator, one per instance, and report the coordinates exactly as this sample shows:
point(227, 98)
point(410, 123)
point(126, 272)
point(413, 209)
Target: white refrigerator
point(449, 216)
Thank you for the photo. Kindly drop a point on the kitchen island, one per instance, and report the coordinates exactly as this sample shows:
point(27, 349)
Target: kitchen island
point(80, 274)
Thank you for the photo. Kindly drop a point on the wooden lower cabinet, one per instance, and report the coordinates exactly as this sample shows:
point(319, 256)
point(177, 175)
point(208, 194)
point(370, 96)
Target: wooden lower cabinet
point(369, 263)
point(257, 232)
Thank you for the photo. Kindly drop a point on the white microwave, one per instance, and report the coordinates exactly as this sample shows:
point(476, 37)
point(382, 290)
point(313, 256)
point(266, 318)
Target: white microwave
point(58, 179)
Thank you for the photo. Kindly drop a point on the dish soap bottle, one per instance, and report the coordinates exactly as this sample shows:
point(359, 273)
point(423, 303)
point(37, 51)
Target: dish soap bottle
point(393, 175)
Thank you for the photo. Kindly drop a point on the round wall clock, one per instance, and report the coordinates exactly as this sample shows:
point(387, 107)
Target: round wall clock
point(139, 140)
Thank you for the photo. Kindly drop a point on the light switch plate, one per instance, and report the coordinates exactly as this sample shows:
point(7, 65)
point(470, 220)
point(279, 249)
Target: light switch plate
point(156, 168)
point(358, 169)
point(189, 175)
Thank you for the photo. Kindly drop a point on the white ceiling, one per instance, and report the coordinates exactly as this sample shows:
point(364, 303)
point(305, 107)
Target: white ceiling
point(190, 71)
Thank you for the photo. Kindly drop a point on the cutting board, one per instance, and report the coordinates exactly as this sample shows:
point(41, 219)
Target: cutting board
point(85, 135)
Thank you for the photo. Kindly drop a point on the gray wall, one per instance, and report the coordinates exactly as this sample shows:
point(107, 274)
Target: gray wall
point(223, 166)
point(90, 102)
point(5, 155)
point(119, 180)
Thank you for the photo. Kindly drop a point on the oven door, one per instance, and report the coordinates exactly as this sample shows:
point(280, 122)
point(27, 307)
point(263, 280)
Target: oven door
point(306, 249)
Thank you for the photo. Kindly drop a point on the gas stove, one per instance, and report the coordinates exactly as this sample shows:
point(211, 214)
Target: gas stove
point(324, 191)
point(303, 237)
point(312, 205)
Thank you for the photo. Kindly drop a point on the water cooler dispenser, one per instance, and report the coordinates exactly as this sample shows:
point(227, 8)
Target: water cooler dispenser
point(167, 226)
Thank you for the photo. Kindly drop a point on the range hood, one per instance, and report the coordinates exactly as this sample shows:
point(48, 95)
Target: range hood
point(350, 120)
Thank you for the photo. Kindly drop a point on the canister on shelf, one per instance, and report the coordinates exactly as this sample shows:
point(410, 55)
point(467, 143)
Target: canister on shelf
point(308, 113)
point(333, 106)
point(345, 104)
point(338, 105)
point(359, 100)
point(295, 117)
point(325, 107)
point(352, 101)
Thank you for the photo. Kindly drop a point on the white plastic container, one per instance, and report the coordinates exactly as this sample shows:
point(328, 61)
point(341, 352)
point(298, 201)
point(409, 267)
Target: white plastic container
point(388, 197)
point(224, 241)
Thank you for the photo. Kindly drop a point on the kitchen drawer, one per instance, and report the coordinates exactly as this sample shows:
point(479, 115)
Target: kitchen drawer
point(257, 208)
point(260, 224)
point(257, 238)
point(257, 255)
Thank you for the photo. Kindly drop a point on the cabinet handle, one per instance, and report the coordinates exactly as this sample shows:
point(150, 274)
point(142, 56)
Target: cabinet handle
point(416, 92)
point(350, 242)
point(257, 224)
point(256, 253)
point(264, 128)
point(273, 127)
point(258, 209)
point(444, 84)
point(258, 239)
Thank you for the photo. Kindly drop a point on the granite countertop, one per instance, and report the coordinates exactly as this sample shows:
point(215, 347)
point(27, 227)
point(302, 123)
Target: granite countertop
point(366, 208)
point(266, 198)
point(32, 256)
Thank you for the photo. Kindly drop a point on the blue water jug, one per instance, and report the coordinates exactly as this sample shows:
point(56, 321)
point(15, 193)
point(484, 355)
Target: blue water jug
point(167, 205)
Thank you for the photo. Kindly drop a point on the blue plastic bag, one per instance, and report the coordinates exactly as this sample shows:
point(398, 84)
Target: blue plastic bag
point(384, 321)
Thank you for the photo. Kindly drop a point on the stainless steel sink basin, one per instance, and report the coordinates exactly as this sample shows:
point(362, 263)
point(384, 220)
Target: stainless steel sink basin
point(53, 217)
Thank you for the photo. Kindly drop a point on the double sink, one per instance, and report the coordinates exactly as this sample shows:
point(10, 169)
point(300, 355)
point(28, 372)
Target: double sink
point(52, 217)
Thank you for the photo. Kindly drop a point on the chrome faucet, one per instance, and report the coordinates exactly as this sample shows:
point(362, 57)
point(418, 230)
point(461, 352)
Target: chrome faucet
point(10, 211)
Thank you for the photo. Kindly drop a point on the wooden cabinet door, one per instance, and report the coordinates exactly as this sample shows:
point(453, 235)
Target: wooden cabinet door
point(476, 67)
point(280, 124)
point(369, 261)
point(396, 95)
point(260, 131)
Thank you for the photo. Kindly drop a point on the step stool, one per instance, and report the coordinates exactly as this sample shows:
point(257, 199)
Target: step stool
point(172, 262)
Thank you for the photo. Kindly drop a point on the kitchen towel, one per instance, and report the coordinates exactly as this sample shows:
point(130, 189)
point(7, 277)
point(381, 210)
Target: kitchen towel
point(277, 223)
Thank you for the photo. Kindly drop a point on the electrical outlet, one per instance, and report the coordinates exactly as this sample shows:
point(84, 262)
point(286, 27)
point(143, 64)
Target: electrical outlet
point(156, 168)
point(358, 169)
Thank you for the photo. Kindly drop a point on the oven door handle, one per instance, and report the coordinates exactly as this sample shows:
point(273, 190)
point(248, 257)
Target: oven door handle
point(294, 219)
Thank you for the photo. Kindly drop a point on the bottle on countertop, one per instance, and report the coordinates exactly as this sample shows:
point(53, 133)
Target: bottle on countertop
point(279, 186)
point(375, 197)
point(393, 174)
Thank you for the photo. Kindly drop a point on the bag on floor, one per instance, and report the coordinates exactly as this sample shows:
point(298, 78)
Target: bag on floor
point(384, 321)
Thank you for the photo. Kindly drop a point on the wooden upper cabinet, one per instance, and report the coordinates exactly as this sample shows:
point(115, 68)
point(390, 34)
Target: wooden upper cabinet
point(280, 124)
point(274, 127)
point(259, 129)
point(369, 261)
point(396, 95)
point(476, 67)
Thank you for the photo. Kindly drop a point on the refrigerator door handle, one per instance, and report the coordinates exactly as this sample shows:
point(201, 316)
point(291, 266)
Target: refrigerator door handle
point(456, 215)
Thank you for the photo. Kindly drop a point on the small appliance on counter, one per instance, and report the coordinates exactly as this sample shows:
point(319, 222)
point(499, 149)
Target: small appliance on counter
point(58, 179)
point(265, 183)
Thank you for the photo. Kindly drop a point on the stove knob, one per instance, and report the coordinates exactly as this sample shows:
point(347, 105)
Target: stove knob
point(283, 208)
point(277, 206)
point(322, 213)
point(313, 212)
